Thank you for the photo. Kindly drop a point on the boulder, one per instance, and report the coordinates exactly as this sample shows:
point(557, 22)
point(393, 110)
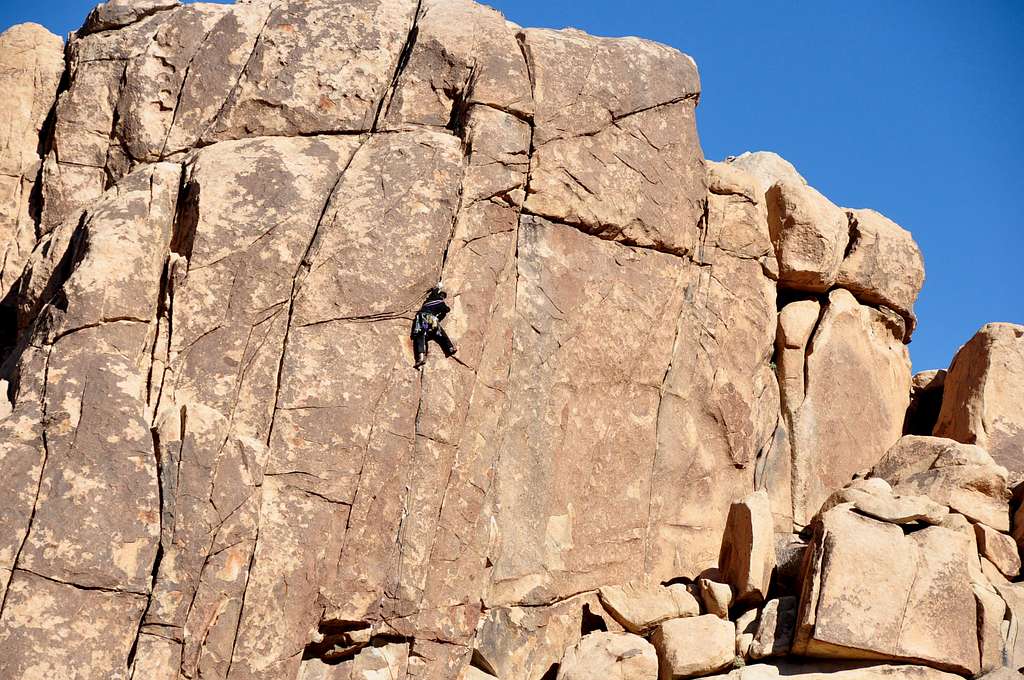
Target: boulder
point(766, 168)
point(961, 476)
point(991, 612)
point(746, 629)
point(998, 548)
point(524, 642)
point(882, 265)
point(609, 655)
point(717, 597)
point(809, 233)
point(33, 60)
point(748, 548)
point(869, 591)
point(776, 628)
point(694, 646)
point(875, 498)
point(639, 606)
point(797, 322)
point(737, 221)
point(117, 13)
point(835, 670)
point(983, 397)
point(857, 379)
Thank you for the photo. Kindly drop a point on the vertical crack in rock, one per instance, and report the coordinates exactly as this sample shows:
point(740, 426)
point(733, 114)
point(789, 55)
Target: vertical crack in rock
point(201, 139)
point(184, 82)
point(403, 60)
point(39, 481)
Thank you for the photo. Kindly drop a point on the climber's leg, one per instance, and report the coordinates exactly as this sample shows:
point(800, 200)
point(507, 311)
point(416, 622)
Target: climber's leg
point(419, 348)
point(444, 341)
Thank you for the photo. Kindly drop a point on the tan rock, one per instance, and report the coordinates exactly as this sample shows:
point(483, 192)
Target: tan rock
point(606, 144)
point(776, 628)
point(875, 498)
point(809, 234)
point(48, 628)
point(748, 548)
point(737, 220)
point(694, 646)
point(835, 670)
point(524, 642)
point(858, 387)
point(1013, 596)
point(640, 606)
point(33, 60)
point(315, 68)
point(869, 592)
point(117, 13)
point(464, 54)
point(991, 611)
point(999, 548)
point(717, 597)
point(609, 655)
point(797, 322)
point(983, 398)
point(961, 476)
point(746, 629)
point(766, 168)
point(883, 265)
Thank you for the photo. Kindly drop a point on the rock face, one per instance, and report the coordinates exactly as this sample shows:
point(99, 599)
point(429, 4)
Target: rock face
point(32, 62)
point(216, 460)
point(870, 591)
point(983, 397)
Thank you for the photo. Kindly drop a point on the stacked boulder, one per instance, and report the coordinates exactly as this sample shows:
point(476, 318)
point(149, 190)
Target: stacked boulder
point(907, 572)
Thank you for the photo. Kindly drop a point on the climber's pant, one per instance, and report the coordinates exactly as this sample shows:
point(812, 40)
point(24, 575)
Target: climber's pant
point(420, 340)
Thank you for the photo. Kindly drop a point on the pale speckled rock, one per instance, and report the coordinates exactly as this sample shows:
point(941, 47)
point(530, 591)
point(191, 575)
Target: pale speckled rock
point(983, 398)
point(999, 548)
point(776, 628)
point(639, 606)
point(883, 264)
point(810, 235)
point(606, 147)
point(617, 656)
point(334, 76)
point(1013, 595)
point(44, 633)
point(33, 60)
point(869, 591)
point(694, 646)
point(961, 476)
point(858, 388)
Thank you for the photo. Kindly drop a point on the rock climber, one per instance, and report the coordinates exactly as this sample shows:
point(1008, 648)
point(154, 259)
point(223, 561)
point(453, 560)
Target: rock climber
point(426, 326)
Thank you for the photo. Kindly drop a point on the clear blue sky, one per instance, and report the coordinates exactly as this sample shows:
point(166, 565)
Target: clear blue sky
point(914, 108)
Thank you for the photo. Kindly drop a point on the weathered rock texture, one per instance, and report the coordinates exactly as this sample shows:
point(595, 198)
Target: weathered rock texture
point(217, 462)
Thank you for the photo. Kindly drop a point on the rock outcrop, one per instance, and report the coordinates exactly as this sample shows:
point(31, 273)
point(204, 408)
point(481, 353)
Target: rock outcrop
point(216, 458)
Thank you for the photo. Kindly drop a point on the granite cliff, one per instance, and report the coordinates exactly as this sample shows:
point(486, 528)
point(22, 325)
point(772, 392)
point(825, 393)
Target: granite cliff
point(682, 437)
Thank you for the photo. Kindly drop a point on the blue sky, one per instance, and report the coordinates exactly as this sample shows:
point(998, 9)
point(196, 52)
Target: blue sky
point(914, 108)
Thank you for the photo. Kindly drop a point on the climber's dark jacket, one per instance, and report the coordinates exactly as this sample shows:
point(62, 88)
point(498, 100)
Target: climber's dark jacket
point(426, 326)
